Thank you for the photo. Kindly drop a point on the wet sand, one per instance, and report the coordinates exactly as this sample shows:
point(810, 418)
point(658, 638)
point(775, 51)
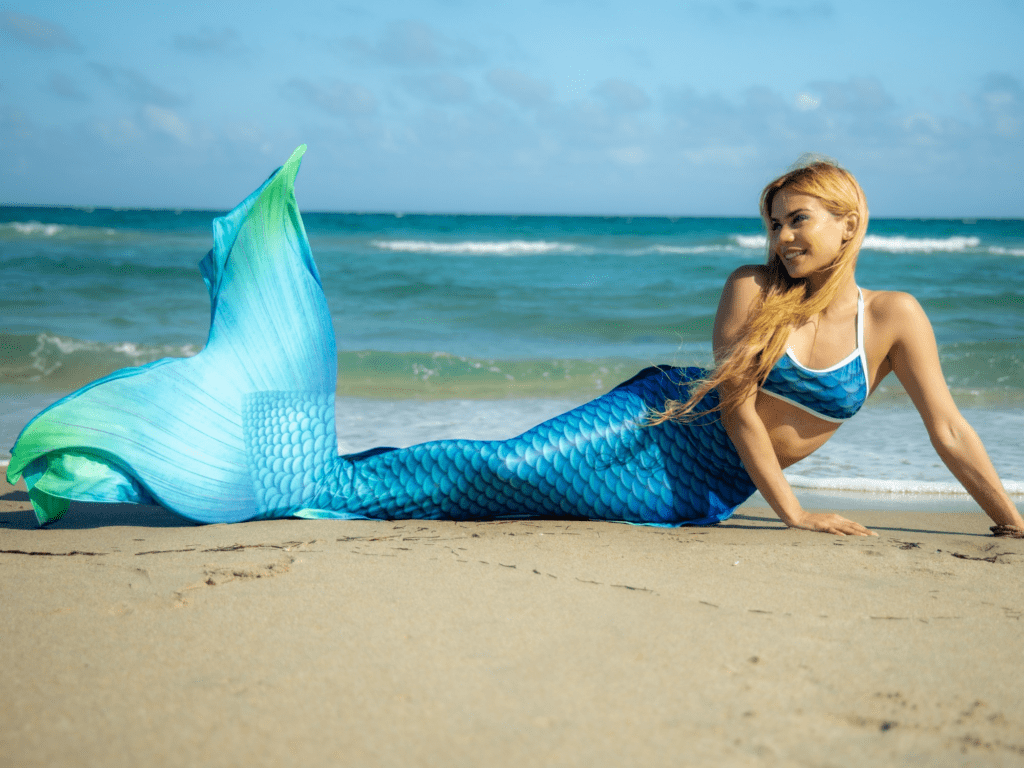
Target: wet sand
point(130, 637)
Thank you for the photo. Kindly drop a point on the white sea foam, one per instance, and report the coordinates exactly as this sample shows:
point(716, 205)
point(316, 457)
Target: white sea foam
point(52, 352)
point(130, 349)
point(751, 242)
point(478, 247)
point(687, 249)
point(901, 244)
point(897, 244)
point(39, 229)
point(35, 228)
point(890, 486)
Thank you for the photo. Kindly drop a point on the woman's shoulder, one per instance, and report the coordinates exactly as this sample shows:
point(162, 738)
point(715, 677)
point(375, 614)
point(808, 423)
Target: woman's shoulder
point(744, 287)
point(753, 272)
point(891, 306)
point(740, 295)
point(893, 316)
point(750, 278)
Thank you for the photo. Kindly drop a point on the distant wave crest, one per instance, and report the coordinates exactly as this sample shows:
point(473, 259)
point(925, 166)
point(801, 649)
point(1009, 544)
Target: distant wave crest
point(901, 244)
point(687, 249)
point(751, 242)
point(59, 231)
point(63, 361)
point(478, 247)
point(35, 228)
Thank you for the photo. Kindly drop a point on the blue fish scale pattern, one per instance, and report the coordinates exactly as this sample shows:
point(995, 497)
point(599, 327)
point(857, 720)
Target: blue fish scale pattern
point(837, 394)
point(599, 461)
point(292, 454)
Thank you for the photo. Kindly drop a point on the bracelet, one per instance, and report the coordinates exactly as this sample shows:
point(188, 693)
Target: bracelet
point(1011, 531)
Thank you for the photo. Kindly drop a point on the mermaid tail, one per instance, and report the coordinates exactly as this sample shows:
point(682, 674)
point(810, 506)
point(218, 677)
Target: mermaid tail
point(172, 431)
point(599, 461)
point(245, 429)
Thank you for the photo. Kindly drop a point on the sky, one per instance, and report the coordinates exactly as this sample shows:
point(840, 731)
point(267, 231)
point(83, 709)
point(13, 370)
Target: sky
point(538, 106)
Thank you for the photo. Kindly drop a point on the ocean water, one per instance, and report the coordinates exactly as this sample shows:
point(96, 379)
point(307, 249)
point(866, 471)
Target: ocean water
point(482, 326)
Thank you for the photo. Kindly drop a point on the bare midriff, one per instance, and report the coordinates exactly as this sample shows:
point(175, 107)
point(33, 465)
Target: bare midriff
point(795, 433)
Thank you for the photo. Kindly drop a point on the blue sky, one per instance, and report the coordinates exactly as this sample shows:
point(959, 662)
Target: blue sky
point(538, 106)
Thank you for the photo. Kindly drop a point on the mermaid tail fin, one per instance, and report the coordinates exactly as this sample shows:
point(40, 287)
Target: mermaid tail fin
point(173, 431)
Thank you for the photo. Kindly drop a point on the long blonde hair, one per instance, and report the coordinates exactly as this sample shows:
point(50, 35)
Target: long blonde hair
point(785, 302)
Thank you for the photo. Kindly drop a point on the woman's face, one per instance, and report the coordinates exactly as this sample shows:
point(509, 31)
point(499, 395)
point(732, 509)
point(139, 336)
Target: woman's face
point(804, 235)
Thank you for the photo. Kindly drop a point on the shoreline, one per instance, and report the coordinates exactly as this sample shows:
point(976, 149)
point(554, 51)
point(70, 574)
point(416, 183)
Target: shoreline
point(131, 636)
point(855, 502)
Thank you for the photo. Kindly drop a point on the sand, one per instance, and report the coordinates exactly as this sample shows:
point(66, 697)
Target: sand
point(130, 637)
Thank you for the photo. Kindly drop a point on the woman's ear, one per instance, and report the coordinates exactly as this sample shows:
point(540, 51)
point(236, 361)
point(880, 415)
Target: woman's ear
point(850, 223)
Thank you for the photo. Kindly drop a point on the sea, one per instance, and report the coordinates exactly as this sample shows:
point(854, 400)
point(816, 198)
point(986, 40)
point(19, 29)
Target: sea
point(481, 326)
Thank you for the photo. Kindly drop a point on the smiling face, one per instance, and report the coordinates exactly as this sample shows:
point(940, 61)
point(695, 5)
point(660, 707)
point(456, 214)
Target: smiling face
point(805, 236)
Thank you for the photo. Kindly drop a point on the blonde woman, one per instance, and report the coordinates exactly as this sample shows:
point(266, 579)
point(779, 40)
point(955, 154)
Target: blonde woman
point(799, 347)
point(245, 429)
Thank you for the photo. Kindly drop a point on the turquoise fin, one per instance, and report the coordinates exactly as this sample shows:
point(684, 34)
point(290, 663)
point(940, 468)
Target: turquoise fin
point(172, 432)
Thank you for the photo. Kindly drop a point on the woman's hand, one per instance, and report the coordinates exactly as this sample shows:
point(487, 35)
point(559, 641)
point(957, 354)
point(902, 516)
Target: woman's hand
point(827, 522)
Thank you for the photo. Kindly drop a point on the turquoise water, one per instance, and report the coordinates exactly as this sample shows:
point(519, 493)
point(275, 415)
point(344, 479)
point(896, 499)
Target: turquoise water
point(487, 324)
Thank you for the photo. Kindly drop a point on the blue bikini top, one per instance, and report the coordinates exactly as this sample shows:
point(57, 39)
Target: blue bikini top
point(832, 394)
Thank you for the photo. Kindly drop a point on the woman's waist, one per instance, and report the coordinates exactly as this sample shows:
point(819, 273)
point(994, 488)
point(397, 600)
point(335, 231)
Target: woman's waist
point(795, 433)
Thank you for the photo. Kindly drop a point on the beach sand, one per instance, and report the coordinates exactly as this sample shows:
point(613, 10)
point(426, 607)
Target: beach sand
point(130, 637)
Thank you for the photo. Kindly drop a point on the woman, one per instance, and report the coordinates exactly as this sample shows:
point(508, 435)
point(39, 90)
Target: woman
point(790, 324)
point(245, 429)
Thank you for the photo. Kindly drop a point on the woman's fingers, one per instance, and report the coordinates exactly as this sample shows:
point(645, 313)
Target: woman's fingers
point(858, 530)
point(834, 524)
point(851, 528)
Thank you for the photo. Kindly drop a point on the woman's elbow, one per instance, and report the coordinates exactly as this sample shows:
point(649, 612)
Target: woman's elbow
point(950, 435)
point(741, 419)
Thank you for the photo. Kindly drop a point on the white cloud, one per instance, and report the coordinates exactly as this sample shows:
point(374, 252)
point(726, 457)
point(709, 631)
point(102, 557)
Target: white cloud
point(248, 134)
point(858, 94)
point(65, 86)
point(806, 103)
point(207, 41)
point(336, 97)
point(135, 86)
point(120, 132)
point(167, 122)
point(623, 95)
point(440, 87)
point(1001, 102)
point(36, 31)
point(524, 90)
point(410, 44)
point(923, 128)
point(628, 155)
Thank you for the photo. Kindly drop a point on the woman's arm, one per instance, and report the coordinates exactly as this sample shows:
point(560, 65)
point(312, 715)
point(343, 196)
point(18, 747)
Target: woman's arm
point(744, 426)
point(914, 357)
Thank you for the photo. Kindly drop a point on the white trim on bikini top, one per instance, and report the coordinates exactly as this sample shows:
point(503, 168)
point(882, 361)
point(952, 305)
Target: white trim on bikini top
point(859, 351)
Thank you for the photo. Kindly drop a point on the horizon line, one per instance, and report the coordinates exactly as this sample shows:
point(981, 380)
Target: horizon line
point(403, 214)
